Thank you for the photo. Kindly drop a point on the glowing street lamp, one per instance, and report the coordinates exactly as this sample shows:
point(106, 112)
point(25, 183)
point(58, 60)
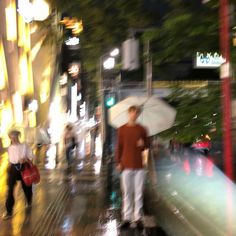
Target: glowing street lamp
point(109, 63)
point(37, 10)
point(41, 10)
point(115, 52)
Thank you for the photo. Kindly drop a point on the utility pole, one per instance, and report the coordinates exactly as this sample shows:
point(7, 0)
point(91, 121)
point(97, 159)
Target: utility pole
point(226, 87)
point(148, 70)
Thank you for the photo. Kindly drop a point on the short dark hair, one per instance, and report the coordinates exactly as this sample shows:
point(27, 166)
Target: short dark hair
point(134, 108)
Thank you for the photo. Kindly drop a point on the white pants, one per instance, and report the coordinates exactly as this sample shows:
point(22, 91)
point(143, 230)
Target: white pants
point(132, 183)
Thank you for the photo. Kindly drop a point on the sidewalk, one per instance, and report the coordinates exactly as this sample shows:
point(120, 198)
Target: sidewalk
point(79, 202)
point(60, 201)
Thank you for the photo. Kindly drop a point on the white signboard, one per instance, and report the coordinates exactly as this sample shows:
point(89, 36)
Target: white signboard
point(130, 54)
point(208, 60)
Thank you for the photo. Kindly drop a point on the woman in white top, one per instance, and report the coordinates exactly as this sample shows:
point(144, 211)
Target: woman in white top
point(19, 154)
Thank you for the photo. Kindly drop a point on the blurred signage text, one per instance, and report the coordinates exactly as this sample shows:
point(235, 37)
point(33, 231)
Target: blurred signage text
point(208, 60)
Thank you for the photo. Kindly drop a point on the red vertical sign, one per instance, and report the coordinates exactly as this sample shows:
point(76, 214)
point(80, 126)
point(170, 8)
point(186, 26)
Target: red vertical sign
point(226, 87)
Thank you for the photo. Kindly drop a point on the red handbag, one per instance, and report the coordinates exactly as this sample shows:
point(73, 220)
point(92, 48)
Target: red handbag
point(30, 174)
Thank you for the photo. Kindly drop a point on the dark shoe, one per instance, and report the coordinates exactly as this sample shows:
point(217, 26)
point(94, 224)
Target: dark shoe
point(6, 216)
point(125, 224)
point(139, 225)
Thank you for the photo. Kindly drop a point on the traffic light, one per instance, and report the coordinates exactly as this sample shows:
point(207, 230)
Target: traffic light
point(110, 100)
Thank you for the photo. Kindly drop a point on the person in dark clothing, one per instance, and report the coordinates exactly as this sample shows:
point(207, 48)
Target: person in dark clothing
point(70, 142)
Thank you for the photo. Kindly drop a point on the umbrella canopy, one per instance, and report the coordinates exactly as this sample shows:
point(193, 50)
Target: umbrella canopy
point(156, 115)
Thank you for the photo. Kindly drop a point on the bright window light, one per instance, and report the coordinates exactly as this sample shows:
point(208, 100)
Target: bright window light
point(3, 68)
point(24, 74)
point(11, 22)
point(73, 115)
point(33, 106)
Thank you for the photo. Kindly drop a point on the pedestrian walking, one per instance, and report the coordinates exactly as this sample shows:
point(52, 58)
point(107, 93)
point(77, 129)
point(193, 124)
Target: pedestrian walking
point(132, 140)
point(42, 142)
point(70, 142)
point(19, 154)
point(93, 135)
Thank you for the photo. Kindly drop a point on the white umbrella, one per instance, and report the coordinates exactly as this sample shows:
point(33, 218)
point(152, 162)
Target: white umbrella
point(156, 115)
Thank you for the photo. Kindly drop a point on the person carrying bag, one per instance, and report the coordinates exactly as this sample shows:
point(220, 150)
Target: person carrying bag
point(19, 155)
point(30, 173)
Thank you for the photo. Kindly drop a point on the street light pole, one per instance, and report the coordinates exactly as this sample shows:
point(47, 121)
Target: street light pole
point(114, 53)
point(101, 89)
point(148, 70)
point(226, 87)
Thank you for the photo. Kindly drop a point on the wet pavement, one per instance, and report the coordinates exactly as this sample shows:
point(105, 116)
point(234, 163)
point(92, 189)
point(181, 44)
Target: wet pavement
point(76, 201)
point(195, 197)
point(184, 196)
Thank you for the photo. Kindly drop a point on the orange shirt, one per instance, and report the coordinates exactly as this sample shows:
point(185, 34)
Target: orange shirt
point(128, 154)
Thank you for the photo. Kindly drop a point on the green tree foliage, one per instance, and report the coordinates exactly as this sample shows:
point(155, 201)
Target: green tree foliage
point(198, 112)
point(105, 24)
point(188, 27)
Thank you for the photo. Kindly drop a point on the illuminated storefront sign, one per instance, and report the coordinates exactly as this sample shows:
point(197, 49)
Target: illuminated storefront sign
point(74, 69)
point(208, 60)
point(73, 24)
point(73, 115)
point(72, 41)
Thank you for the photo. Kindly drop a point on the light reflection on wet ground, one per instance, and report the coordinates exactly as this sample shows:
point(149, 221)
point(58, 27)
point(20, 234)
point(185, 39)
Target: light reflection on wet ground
point(197, 192)
point(74, 201)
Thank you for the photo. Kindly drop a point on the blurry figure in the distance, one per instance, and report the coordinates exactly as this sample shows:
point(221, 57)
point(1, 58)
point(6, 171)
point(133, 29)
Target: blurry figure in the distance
point(42, 142)
point(93, 134)
point(70, 142)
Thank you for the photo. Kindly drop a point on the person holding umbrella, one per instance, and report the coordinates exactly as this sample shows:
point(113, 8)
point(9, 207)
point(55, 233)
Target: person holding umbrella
point(132, 140)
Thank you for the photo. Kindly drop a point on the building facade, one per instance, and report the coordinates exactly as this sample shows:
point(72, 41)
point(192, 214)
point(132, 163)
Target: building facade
point(27, 67)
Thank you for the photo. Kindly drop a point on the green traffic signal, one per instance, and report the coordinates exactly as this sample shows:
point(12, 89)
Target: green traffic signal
point(110, 101)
